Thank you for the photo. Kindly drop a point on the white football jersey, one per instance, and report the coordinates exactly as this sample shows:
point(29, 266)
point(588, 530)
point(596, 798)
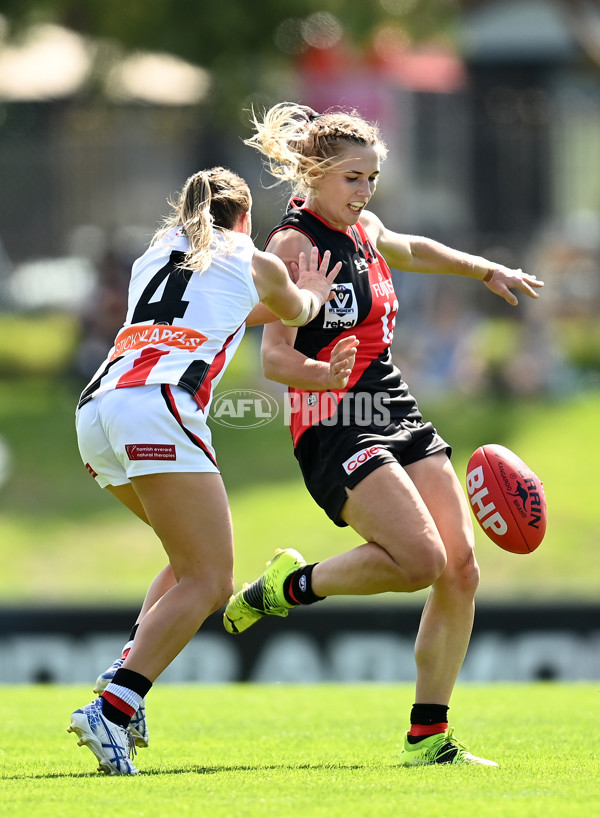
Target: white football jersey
point(182, 327)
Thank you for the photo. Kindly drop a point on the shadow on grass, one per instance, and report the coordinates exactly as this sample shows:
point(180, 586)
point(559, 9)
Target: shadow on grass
point(198, 770)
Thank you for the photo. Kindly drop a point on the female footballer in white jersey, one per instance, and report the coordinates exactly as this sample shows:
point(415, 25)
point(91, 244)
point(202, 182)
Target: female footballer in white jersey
point(142, 431)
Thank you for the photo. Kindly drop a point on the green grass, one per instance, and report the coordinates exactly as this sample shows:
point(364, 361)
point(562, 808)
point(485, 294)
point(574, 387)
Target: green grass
point(38, 343)
point(255, 751)
point(60, 536)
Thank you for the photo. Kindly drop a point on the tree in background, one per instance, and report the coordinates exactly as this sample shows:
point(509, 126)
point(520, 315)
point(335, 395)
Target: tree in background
point(241, 43)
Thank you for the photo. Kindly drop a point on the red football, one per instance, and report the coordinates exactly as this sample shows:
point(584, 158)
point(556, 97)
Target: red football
point(507, 499)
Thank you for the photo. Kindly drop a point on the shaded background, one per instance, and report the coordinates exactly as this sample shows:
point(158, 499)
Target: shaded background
point(491, 112)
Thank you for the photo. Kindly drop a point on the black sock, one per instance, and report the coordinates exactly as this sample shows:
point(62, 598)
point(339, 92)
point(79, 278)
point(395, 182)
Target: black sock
point(114, 714)
point(297, 588)
point(117, 710)
point(427, 714)
point(133, 680)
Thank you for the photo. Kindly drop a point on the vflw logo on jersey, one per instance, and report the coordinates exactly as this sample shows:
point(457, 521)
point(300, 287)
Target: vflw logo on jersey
point(342, 311)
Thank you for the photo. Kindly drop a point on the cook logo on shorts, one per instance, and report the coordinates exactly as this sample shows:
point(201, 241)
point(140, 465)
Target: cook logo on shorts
point(359, 458)
point(244, 408)
point(342, 310)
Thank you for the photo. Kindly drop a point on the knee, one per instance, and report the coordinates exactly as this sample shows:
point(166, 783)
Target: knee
point(462, 575)
point(225, 595)
point(468, 576)
point(212, 591)
point(420, 571)
point(428, 568)
point(222, 592)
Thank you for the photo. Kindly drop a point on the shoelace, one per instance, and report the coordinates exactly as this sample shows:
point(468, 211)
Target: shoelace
point(448, 743)
point(270, 598)
point(454, 741)
point(253, 595)
point(131, 748)
point(270, 591)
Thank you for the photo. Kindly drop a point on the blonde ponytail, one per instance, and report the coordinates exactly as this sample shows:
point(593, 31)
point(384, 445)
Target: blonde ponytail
point(298, 143)
point(197, 221)
point(210, 200)
point(280, 137)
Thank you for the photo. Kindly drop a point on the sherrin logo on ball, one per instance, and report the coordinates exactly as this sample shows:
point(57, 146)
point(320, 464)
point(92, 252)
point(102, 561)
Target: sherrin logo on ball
point(507, 499)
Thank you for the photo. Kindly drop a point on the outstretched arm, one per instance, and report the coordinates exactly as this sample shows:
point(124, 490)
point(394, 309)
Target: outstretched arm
point(418, 254)
point(295, 305)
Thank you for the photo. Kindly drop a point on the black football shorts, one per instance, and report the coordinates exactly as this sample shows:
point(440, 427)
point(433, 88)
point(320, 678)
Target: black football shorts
point(335, 457)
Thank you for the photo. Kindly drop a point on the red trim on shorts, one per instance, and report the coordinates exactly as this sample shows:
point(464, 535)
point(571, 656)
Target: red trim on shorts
point(172, 407)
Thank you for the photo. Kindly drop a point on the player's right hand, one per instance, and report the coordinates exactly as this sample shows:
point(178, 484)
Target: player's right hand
point(341, 363)
point(504, 280)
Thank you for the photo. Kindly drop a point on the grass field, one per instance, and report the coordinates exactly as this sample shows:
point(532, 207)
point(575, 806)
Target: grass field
point(250, 751)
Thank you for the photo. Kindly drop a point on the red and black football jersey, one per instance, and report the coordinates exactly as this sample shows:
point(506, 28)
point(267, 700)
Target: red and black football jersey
point(364, 305)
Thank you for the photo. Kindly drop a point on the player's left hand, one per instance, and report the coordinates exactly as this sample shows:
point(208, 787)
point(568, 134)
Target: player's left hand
point(308, 272)
point(504, 280)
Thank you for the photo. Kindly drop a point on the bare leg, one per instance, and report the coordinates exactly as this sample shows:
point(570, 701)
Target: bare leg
point(447, 619)
point(159, 586)
point(190, 515)
point(163, 580)
point(403, 549)
point(419, 534)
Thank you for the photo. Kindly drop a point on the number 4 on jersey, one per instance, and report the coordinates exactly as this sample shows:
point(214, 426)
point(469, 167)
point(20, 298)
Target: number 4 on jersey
point(170, 305)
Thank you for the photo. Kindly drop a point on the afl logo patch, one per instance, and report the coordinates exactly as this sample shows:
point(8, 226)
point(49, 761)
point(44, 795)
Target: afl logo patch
point(342, 310)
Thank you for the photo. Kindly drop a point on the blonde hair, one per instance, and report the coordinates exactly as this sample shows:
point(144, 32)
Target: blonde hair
point(297, 142)
point(214, 198)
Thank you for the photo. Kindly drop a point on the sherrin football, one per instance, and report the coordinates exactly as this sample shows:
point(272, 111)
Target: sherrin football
point(507, 499)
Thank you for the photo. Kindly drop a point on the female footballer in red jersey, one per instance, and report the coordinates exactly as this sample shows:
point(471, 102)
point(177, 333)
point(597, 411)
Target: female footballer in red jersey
point(142, 432)
point(367, 456)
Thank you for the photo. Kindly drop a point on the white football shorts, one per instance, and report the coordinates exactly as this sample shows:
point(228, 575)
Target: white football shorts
point(153, 429)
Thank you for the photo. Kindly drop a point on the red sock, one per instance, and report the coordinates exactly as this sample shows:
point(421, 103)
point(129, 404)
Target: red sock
point(423, 730)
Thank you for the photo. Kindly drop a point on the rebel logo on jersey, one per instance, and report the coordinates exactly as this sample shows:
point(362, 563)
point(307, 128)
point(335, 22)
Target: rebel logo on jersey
point(342, 311)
